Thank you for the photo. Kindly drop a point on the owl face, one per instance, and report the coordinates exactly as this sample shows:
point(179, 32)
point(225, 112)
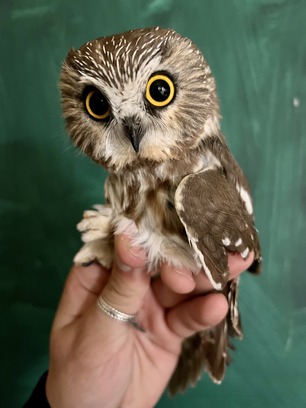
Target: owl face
point(142, 96)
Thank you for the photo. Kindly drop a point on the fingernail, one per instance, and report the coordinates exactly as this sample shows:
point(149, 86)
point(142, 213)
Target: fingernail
point(122, 266)
point(185, 274)
point(138, 252)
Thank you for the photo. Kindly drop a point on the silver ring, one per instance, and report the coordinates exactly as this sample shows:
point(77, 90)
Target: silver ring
point(117, 315)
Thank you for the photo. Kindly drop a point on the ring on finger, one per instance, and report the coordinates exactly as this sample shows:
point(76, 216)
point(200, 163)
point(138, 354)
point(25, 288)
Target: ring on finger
point(116, 314)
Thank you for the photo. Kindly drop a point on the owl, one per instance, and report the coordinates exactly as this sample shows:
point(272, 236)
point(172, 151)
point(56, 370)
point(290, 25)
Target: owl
point(143, 105)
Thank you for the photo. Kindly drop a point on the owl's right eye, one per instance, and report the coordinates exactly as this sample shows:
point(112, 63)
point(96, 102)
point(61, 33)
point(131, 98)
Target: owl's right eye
point(96, 104)
point(160, 90)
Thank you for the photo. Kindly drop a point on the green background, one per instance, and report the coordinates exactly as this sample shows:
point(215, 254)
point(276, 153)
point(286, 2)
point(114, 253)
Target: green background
point(256, 49)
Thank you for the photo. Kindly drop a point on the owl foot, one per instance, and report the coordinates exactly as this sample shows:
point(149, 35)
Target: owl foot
point(100, 250)
point(96, 223)
point(96, 229)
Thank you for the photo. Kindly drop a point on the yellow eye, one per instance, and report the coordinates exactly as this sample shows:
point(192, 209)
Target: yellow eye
point(160, 90)
point(96, 105)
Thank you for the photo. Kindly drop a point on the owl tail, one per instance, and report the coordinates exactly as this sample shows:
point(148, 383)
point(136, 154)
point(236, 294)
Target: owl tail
point(208, 350)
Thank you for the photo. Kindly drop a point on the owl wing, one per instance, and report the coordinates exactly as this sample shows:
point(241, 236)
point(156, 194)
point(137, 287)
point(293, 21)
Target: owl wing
point(209, 349)
point(217, 218)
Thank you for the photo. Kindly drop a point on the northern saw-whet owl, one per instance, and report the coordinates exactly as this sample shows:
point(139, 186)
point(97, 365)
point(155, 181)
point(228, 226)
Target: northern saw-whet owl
point(143, 104)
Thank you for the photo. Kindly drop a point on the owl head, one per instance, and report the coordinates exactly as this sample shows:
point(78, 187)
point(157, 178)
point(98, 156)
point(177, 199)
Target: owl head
point(142, 96)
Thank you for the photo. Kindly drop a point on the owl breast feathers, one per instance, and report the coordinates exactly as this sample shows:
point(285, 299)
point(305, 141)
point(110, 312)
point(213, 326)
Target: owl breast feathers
point(143, 104)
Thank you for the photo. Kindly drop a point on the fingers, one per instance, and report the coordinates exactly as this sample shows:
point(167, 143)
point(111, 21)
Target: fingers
point(197, 314)
point(237, 264)
point(123, 288)
point(129, 280)
point(82, 287)
point(176, 286)
point(179, 280)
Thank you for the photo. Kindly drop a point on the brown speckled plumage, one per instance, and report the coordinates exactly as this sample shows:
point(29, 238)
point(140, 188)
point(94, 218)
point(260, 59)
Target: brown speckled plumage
point(179, 183)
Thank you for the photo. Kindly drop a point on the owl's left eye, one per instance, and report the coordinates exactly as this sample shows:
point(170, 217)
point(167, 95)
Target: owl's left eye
point(160, 90)
point(96, 104)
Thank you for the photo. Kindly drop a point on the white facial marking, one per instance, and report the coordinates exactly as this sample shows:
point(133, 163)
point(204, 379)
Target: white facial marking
point(211, 127)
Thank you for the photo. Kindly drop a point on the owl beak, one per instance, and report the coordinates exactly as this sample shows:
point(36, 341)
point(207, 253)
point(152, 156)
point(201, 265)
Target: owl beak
point(133, 130)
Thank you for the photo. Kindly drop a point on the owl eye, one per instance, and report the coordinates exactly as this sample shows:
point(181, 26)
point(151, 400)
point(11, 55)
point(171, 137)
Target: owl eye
point(160, 90)
point(96, 104)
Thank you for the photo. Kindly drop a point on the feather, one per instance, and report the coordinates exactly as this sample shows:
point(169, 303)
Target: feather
point(209, 350)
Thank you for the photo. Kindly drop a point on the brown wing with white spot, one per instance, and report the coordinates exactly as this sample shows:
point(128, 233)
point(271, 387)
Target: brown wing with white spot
point(209, 349)
point(216, 219)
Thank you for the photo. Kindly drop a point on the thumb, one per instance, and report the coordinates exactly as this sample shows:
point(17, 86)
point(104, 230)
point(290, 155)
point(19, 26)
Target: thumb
point(82, 287)
point(129, 279)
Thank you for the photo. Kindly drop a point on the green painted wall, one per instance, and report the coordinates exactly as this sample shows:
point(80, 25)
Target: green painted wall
point(257, 50)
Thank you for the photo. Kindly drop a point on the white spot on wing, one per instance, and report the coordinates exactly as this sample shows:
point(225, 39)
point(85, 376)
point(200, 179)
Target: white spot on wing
point(238, 242)
point(246, 198)
point(245, 253)
point(226, 241)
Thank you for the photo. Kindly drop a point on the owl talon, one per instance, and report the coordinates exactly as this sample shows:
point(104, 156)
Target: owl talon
point(85, 264)
point(100, 250)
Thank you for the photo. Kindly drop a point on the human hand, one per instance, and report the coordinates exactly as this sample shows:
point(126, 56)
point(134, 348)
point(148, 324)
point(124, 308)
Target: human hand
point(96, 361)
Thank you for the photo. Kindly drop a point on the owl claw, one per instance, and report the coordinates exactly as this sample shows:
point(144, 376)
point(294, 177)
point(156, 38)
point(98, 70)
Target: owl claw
point(100, 251)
